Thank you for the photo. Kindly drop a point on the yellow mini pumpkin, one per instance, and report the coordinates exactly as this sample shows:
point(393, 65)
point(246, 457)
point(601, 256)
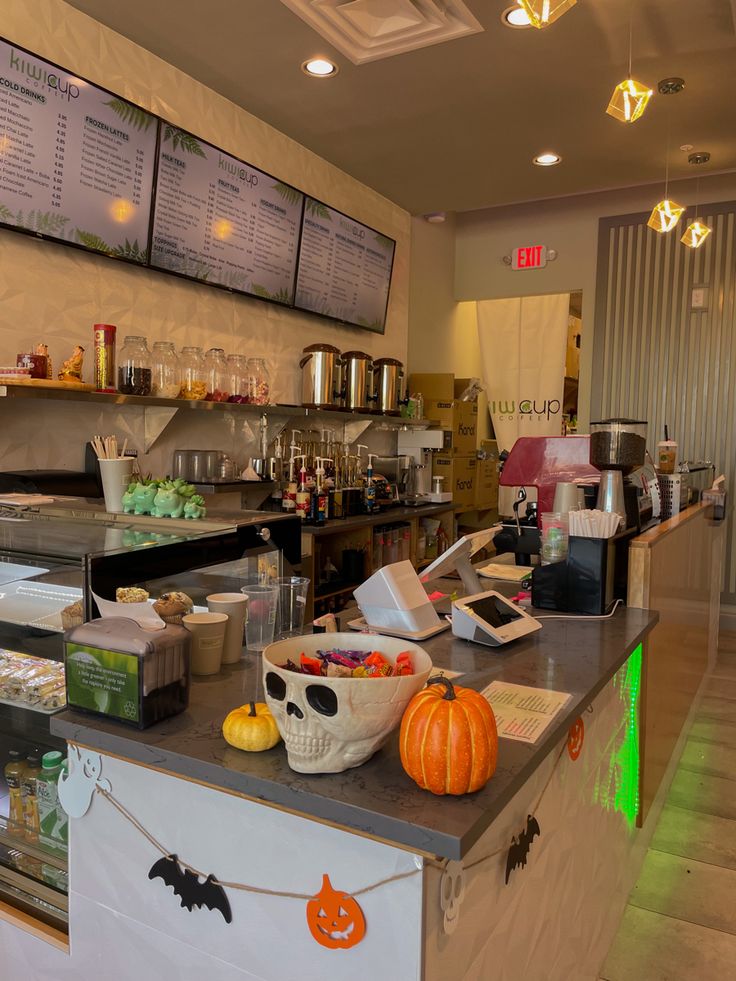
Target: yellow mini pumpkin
point(251, 727)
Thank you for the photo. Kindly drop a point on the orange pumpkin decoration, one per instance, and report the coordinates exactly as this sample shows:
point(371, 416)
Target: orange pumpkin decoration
point(448, 739)
point(334, 918)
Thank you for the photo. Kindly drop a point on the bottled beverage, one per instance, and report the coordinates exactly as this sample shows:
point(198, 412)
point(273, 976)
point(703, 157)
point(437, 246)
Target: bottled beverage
point(14, 771)
point(165, 371)
point(193, 386)
point(134, 370)
point(30, 801)
point(47, 800)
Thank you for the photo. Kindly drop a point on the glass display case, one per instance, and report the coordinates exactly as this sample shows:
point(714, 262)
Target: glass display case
point(52, 565)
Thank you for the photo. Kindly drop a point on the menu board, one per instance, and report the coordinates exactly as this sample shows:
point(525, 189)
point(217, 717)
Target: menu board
point(221, 221)
point(344, 268)
point(76, 162)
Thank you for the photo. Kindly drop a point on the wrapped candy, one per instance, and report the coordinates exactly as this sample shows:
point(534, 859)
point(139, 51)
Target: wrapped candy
point(340, 663)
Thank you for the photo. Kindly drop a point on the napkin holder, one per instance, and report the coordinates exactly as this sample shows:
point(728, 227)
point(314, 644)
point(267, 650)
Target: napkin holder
point(586, 581)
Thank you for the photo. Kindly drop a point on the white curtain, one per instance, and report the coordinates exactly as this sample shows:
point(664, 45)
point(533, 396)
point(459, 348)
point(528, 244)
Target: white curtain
point(523, 343)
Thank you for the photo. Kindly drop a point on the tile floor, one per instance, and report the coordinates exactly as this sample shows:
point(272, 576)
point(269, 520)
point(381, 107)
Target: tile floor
point(680, 922)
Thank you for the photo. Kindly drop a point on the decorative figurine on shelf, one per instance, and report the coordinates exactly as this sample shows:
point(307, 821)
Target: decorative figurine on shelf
point(194, 508)
point(164, 499)
point(168, 503)
point(43, 350)
point(71, 369)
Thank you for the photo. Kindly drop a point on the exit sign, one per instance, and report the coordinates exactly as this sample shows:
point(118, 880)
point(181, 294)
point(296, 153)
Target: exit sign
point(529, 257)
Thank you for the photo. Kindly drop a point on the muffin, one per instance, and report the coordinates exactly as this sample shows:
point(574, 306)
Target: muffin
point(130, 594)
point(72, 615)
point(179, 598)
point(170, 610)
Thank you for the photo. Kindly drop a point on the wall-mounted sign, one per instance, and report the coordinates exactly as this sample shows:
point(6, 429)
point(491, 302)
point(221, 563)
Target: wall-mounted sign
point(529, 257)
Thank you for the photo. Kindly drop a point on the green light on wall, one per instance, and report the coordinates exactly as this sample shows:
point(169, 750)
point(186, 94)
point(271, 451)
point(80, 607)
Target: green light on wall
point(618, 788)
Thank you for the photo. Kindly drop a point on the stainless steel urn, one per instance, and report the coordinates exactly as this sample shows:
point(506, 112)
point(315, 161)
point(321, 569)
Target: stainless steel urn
point(388, 386)
point(320, 376)
point(356, 381)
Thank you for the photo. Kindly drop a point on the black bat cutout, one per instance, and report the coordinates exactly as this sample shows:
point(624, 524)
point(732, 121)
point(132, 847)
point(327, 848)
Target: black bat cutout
point(520, 848)
point(187, 885)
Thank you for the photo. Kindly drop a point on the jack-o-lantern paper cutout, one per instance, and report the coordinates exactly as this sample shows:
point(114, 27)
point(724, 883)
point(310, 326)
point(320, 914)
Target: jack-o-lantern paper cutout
point(334, 918)
point(576, 738)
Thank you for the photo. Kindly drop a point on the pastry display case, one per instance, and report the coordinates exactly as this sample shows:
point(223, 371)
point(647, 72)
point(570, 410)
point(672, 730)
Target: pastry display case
point(53, 564)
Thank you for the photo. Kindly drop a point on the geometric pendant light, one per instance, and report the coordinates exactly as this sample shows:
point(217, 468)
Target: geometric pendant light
point(667, 213)
point(697, 231)
point(695, 234)
point(541, 13)
point(629, 100)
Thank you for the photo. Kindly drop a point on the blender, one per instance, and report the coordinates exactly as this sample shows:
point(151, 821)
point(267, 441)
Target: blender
point(617, 447)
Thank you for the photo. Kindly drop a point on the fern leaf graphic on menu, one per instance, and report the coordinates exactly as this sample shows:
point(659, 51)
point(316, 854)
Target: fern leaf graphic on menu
point(280, 296)
point(383, 240)
point(131, 250)
point(6, 214)
point(289, 194)
point(92, 241)
point(234, 279)
point(44, 222)
point(188, 143)
point(133, 115)
point(318, 210)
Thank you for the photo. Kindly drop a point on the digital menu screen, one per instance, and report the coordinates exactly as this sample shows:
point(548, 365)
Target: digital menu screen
point(344, 268)
point(221, 221)
point(76, 162)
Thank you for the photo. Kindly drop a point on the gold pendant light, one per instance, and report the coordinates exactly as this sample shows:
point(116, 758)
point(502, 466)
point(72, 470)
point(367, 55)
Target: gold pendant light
point(541, 13)
point(695, 234)
point(630, 98)
point(697, 231)
point(667, 213)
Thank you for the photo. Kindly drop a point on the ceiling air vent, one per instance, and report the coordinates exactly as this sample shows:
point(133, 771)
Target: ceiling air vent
point(365, 30)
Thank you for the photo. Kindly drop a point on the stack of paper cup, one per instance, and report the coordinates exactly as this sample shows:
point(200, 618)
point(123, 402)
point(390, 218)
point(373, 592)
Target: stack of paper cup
point(116, 474)
point(235, 606)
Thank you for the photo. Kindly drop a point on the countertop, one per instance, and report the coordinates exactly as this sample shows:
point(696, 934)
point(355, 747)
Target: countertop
point(378, 799)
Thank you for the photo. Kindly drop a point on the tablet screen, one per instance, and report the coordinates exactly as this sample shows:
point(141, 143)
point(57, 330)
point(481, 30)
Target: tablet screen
point(494, 610)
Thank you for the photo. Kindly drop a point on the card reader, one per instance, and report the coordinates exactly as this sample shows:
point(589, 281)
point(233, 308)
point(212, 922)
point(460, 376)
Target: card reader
point(490, 619)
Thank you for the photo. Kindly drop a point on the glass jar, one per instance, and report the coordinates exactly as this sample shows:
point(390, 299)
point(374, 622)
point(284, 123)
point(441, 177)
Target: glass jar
point(134, 367)
point(259, 381)
point(216, 375)
point(237, 373)
point(191, 363)
point(165, 371)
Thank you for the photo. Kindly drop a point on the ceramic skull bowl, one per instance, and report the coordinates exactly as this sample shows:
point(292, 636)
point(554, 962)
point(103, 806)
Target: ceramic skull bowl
point(331, 724)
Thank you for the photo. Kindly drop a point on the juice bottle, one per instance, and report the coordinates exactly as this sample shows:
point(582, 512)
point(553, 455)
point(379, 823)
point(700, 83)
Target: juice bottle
point(47, 799)
point(30, 804)
point(14, 771)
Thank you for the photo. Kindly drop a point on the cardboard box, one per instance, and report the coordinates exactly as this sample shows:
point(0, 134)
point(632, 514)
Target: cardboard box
point(459, 420)
point(460, 473)
point(433, 386)
point(486, 485)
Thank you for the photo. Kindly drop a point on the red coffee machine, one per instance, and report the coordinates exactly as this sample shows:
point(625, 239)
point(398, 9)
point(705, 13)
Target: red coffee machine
point(545, 461)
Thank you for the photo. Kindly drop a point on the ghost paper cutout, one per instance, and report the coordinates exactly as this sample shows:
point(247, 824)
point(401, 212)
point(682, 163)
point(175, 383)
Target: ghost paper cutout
point(77, 787)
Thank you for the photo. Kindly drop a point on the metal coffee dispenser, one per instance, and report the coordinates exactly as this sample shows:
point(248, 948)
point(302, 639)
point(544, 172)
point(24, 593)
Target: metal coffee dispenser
point(321, 386)
point(356, 381)
point(388, 386)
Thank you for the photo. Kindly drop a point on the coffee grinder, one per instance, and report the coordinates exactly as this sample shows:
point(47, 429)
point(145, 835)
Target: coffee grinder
point(617, 447)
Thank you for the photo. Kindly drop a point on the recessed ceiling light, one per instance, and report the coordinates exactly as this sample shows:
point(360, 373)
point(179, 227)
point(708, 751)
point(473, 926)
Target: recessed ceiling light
point(548, 159)
point(516, 17)
point(436, 217)
point(319, 67)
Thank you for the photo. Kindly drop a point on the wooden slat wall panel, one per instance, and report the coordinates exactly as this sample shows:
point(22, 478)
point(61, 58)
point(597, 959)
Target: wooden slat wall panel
point(654, 358)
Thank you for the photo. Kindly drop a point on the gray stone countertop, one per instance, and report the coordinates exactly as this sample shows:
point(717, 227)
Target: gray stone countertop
point(378, 799)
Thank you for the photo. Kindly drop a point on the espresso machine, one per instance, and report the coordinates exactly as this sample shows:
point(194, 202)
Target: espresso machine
point(417, 446)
